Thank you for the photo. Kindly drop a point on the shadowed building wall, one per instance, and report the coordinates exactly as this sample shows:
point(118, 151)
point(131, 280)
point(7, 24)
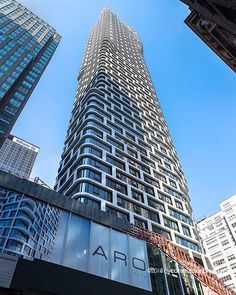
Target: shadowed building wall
point(214, 21)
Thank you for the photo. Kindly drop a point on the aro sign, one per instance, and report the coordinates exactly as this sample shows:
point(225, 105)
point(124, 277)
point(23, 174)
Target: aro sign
point(118, 256)
point(136, 263)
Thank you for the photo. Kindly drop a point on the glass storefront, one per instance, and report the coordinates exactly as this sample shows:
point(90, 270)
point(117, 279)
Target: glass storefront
point(34, 229)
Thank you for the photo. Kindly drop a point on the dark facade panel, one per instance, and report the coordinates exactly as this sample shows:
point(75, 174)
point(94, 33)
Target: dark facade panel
point(215, 23)
point(40, 277)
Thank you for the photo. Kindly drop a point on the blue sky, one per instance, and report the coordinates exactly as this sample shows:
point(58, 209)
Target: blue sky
point(196, 89)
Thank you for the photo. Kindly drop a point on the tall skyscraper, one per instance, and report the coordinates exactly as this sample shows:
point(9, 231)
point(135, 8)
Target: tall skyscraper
point(118, 154)
point(215, 23)
point(27, 44)
point(119, 166)
point(218, 234)
point(17, 156)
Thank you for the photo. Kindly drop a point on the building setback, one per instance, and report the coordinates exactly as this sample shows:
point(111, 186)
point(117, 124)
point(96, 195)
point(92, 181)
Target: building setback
point(27, 44)
point(17, 156)
point(118, 155)
point(215, 23)
point(218, 234)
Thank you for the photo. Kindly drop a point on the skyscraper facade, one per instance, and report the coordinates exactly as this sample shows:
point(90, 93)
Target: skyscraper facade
point(215, 23)
point(118, 154)
point(218, 235)
point(17, 156)
point(27, 44)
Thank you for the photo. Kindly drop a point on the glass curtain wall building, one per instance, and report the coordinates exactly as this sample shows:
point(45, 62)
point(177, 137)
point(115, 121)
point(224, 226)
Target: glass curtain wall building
point(27, 44)
point(118, 154)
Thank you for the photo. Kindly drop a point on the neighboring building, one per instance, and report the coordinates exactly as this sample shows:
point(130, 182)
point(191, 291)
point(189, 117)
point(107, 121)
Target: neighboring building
point(119, 155)
point(28, 227)
point(81, 248)
point(17, 156)
point(218, 234)
point(27, 44)
point(215, 23)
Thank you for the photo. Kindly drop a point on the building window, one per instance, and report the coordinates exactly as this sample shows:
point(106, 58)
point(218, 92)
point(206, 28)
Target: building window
point(115, 143)
point(179, 205)
point(186, 231)
point(159, 176)
point(173, 193)
point(99, 126)
point(180, 216)
point(141, 223)
point(226, 278)
point(226, 242)
point(132, 152)
point(137, 195)
point(165, 198)
point(231, 257)
point(91, 150)
point(14, 245)
point(95, 163)
point(118, 213)
point(115, 162)
point(134, 172)
point(153, 216)
point(222, 270)
point(93, 132)
point(219, 262)
point(157, 205)
point(116, 186)
point(188, 244)
point(85, 187)
point(161, 232)
point(234, 224)
point(97, 143)
point(171, 224)
point(89, 173)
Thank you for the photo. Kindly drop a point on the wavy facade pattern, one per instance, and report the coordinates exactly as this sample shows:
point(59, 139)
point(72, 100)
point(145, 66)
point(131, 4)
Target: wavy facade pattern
point(118, 154)
point(27, 227)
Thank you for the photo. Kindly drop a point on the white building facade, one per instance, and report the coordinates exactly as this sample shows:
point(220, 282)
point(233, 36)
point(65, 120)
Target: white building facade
point(218, 234)
point(118, 154)
point(18, 156)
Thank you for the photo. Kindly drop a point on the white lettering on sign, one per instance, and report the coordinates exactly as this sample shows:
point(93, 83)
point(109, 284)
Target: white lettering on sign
point(25, 144)
point(118, 256)
point(135, 262)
